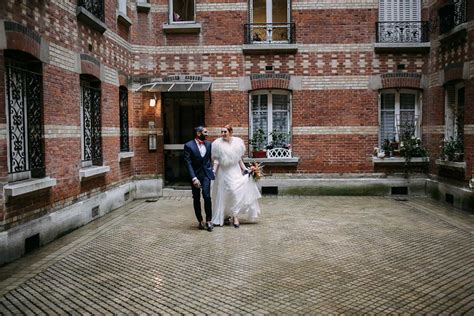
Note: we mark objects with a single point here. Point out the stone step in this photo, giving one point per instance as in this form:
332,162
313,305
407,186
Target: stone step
177,192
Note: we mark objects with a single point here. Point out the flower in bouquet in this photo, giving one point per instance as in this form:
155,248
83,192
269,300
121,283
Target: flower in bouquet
256,170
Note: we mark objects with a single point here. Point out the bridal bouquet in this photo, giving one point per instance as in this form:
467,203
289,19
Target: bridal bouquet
256,171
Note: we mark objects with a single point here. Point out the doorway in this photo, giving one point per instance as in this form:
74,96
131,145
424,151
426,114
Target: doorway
182,111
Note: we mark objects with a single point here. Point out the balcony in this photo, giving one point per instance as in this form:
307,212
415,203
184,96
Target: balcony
270,38
402,36
452,15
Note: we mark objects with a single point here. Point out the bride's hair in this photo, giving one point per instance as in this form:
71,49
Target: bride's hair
229,128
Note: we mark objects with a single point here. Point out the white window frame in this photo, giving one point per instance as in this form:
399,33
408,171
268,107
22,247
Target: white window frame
269,15
451,128
399,10
170,15
418,111
270,93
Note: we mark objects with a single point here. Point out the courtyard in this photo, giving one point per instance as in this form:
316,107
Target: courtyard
306,255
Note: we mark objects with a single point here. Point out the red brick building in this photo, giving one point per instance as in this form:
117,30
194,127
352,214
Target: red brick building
98,96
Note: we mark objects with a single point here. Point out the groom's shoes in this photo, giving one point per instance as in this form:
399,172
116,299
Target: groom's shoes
209,227
201,226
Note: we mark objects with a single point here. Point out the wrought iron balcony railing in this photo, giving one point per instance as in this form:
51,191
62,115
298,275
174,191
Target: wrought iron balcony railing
403,32
452,15
96,7
265,33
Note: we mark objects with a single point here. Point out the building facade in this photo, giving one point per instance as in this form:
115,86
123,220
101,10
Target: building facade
97,98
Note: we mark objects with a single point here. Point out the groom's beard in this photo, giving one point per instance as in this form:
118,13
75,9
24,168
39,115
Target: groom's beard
202,137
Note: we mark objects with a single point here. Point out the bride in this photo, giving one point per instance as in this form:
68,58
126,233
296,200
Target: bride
233,194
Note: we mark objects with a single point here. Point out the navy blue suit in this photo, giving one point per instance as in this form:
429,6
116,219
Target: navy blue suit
200,168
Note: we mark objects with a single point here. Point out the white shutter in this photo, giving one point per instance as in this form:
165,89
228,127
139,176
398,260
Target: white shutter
399,10
122,6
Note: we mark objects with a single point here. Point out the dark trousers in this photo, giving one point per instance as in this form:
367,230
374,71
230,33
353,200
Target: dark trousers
206,194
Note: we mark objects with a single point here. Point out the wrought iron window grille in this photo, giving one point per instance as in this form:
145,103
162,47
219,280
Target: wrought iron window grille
452,15
266,33
96,7
91,120
403,32
123,103
24,117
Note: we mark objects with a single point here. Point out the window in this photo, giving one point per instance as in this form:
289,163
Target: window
182,11
269,21
23,87
96,7
91,121
400,114
123,103
454,112
270,112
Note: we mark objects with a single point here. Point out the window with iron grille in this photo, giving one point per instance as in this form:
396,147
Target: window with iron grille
91,121
23,87
96,7
182,11
123,103
400,113
454,112
270,112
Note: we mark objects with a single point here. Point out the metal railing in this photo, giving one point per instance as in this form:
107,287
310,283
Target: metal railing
278,33
452,15
403,32
96,7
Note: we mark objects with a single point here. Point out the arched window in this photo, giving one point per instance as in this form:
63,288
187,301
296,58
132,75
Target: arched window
400,114
24,101
270,116
123,104
91,121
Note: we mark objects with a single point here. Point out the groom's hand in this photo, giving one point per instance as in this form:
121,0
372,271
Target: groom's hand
197,183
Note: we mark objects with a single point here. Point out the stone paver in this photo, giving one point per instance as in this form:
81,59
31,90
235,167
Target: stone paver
306,255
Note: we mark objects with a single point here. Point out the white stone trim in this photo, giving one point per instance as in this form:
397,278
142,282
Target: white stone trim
238,131
145,131
110,131
334,82
212,7
469,129
225,84
334,4
3,131
433,129
125,155
92,171
62,131
111,76
451,164
399,160
28,186
62,57
335,130
67,6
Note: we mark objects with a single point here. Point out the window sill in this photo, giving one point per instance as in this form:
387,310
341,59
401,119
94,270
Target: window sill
402,47
459,30
89,19
125,155
143,7
123,18
269,48
182,28
399,160
293,161
451,164
93,171
28,186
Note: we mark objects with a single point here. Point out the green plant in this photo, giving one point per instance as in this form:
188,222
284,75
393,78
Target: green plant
258,140
410,146
452,149
279,140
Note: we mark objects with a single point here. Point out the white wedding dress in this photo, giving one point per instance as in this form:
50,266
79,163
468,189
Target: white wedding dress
232,193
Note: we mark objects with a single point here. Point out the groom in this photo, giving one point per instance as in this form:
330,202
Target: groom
197,154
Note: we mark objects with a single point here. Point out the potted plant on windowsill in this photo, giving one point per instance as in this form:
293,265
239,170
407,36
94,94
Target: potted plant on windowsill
258,142
452,150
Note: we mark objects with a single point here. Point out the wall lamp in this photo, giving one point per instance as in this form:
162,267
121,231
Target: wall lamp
153,101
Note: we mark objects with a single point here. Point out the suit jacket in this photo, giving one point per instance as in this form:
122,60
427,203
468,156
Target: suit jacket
198,167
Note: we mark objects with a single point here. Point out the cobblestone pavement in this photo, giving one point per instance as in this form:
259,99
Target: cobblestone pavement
306,255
